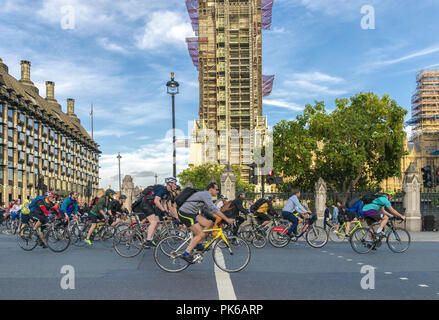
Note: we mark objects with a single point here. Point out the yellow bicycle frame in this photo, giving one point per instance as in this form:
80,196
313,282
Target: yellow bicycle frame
356,223
219,234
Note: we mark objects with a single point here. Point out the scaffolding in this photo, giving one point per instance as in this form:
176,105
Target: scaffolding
267,85
267,8
425,103
192,9
192,45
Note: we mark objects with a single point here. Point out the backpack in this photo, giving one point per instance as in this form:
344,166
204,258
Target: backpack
226,206
369,197
33,203
257,204
136,204
184,195
94,201
149,192
350,203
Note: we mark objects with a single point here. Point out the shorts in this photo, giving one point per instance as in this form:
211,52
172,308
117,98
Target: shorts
25,218
372,216
94,218
349,216
14,215
262,217
150,210
188,219
40,217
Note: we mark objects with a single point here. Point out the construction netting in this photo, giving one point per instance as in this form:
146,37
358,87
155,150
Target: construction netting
267,7
192,9
267,85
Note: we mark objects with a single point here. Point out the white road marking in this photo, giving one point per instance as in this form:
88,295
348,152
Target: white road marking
348,259
340,256
360,263
223,281
403,278
387,273
423,285
324,251
331,254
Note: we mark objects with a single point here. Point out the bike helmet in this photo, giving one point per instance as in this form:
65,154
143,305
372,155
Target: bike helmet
240,192
32,198
50,194
170,180
122,196
110,192
222,196
271,197
390,193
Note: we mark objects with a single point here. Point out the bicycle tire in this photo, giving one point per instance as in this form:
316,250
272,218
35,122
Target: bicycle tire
29,240
313,233
76,236
221,254
259,239
397,231
126,240
167,257
278,239
106,236
359,240
57,235
335,236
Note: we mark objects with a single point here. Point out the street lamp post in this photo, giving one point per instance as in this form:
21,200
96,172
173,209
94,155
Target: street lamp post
118,158
172,89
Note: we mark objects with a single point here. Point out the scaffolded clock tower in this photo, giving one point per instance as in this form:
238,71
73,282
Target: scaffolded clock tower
227,52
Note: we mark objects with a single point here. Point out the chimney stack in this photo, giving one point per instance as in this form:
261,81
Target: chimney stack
3,66
25,72
50,91
71,107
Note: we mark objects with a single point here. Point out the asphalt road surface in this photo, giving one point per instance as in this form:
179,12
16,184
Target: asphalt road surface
294,272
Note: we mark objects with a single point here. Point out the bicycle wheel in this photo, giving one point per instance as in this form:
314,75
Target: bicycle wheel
167,254
28,240
58,239
76,235
316,237
106,236
335,236
361,240
128,243
398,240
278,239
259,239
234,257
246,233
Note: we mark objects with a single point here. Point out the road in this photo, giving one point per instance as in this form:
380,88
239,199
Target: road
295,272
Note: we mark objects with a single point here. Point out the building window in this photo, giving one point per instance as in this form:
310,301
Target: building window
36,126
20,178
10,117
11,176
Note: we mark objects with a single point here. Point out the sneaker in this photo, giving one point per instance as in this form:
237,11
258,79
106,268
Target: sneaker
189,258
149,244
88,242
381,234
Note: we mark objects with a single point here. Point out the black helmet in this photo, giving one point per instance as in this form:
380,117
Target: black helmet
241,192
122,196
110,192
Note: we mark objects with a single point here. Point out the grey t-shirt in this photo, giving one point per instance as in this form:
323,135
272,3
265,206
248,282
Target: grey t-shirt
199,201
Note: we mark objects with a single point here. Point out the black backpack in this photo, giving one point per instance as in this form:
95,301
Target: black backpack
149,192
350,203
257,204
135,207
184,195
369,197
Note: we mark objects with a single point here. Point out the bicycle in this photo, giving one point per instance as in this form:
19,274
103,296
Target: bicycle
340,234
253,233
55,236
167,253
314,235
363,240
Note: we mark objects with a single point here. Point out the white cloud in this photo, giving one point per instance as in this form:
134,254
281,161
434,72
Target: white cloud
423,52
165,28
282,104
111,132
111,46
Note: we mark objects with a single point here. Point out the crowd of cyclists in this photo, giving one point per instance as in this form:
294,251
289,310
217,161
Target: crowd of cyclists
191,209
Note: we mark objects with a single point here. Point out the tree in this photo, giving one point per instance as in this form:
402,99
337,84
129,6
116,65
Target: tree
355,147
200,176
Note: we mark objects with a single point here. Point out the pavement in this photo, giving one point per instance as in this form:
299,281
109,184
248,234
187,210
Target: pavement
296,272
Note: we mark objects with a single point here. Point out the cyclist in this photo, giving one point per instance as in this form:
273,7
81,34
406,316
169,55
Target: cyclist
154,208
265,210
220,201
69,206
352,214
99,211
236,207
25,212
376,211
293,211
15,210
171,205
116,211
42,212
190,216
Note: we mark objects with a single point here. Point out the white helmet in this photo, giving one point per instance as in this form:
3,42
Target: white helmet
170,180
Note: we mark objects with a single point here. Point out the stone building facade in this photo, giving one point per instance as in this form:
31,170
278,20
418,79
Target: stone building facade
41,147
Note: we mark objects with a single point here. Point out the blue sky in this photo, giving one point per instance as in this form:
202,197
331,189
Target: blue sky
119,54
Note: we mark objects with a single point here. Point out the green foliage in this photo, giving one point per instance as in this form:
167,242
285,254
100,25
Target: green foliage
200,176
355,147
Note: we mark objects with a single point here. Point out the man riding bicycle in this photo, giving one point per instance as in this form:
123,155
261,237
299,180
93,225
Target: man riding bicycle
41,214
376,211
190,215
294,211
69,206
265,210
99,211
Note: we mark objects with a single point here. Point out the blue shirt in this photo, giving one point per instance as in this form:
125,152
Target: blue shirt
357,208
377,204
69,206
293,204
335,214
161,192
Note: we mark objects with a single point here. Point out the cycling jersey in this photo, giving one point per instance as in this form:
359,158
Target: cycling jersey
25,208
101,205
377,204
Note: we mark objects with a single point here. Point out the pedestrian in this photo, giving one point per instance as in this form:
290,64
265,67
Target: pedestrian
335,217
326,217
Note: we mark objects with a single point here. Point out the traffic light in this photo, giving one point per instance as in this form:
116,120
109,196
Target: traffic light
427,177
253,177
437,177
272,179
